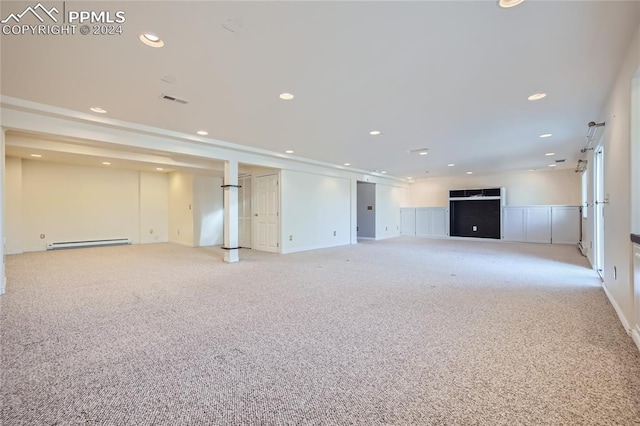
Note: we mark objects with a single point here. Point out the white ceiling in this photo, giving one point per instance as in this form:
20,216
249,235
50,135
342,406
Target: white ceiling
452,77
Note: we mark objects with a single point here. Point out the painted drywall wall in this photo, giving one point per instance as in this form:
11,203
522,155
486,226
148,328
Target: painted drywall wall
245,214
617,182
635,154
75,203
314,207
389,199
367,211
541,187
208,211
154,202
181,208
13,205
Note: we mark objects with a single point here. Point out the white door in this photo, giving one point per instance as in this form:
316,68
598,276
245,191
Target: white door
266,216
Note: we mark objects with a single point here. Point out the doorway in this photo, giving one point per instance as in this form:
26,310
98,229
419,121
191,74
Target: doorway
267,214
366,227
599,204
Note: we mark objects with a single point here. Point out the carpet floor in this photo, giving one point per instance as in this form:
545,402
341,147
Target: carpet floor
403,331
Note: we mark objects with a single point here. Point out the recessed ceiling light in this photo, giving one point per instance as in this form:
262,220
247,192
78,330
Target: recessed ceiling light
347,164
159,169
549,154
375,132
99,110
537,96
151,40
505,4
289,151
423,153
383,172
469,173
409,178
532,170
106,163
546,135
202,132
285,96
552,165
450,165
36,155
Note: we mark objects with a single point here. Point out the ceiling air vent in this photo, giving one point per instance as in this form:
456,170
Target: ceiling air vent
174,99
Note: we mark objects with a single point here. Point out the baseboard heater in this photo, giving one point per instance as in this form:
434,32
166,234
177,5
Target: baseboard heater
88,243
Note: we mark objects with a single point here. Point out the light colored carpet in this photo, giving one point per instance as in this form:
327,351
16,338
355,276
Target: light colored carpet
403,331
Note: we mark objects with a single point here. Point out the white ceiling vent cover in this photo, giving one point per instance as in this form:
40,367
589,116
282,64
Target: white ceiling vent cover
174,99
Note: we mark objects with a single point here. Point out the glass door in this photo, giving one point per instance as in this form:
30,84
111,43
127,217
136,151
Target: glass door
600,202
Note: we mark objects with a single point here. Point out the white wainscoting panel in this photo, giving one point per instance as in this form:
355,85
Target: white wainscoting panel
408,221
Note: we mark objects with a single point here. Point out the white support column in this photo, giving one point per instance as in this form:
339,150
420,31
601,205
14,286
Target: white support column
3,276
231,211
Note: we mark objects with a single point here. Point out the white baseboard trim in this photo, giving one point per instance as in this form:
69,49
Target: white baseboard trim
623,319
636,336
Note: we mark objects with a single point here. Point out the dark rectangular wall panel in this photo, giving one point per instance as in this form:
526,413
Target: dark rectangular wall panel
484,215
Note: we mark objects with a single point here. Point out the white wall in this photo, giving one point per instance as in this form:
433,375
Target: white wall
74,203
541,187
208,211
13,205
313,208
154,202
617,168
389,199
181,208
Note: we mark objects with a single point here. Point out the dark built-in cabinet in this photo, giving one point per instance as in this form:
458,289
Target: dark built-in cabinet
476,212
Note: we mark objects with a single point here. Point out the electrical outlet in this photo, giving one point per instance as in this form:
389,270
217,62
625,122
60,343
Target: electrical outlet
151,231
386,228
475,228
290,237
178,232
334,233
